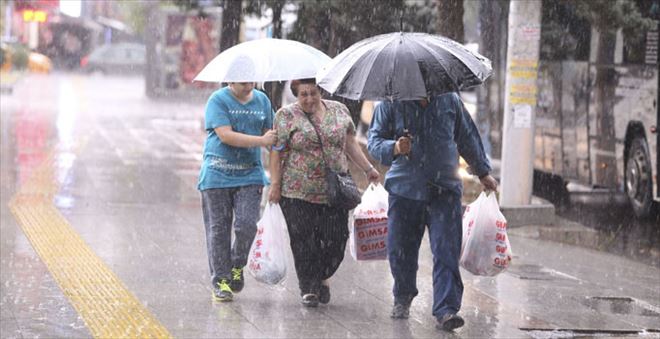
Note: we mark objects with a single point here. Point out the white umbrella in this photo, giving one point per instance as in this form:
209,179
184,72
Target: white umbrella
264,60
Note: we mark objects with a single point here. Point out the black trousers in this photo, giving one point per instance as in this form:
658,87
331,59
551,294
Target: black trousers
318,236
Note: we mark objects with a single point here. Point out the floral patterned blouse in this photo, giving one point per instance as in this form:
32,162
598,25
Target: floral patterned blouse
303,167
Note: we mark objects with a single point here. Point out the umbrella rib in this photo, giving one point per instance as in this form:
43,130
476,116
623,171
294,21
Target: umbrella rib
353,51
375,52
439,57
453,52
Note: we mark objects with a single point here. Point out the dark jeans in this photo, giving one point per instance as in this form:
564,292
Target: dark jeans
406,221
220,207
318,236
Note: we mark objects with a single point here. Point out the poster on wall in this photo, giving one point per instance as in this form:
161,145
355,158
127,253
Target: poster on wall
189,43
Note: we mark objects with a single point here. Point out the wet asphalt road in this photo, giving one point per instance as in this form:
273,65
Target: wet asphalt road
120,170
619,230
625,234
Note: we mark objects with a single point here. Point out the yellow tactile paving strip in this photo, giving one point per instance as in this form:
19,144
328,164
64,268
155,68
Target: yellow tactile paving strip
106,306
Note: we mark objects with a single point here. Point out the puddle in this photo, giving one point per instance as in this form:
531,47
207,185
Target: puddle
536,272
620,305
541,333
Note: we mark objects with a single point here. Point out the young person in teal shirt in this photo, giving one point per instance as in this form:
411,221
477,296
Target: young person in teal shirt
238,122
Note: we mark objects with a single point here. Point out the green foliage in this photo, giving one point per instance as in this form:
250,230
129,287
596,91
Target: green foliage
610,15
259,7
135,13
564,34
332,26
566,26
188,4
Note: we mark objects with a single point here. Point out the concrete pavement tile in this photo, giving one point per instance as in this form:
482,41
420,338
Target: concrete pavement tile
52,327
631,278
9,329
303,328
218,321
174,299
6,313
647,322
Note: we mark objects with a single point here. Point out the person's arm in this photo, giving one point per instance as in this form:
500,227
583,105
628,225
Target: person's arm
354,152
469,145
489,182
229,137
381,143
279,151
216,118
275,169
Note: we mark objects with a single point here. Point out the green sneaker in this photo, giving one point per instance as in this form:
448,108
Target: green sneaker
222,291
237,281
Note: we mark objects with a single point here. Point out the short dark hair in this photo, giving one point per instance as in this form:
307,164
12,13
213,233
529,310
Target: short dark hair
295,83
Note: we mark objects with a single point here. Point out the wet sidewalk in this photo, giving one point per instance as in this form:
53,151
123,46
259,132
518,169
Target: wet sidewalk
550,288
102,235
156,249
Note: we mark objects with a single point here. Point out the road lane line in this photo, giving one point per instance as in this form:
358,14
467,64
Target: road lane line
104,303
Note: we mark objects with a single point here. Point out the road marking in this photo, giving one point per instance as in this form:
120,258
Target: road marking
106,306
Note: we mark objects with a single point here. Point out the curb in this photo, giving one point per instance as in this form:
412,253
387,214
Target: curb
575,234
539,212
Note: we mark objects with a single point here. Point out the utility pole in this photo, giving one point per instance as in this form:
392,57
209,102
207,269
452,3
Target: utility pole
517,171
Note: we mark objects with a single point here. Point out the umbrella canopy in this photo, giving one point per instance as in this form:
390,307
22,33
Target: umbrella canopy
264,60
403,66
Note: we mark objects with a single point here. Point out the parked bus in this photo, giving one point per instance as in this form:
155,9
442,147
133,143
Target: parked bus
601,137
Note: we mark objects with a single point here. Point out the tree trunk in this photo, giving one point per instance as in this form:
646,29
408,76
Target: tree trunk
493,33
605,87
277,19
231,24
486,112
151,40
450,19
275,88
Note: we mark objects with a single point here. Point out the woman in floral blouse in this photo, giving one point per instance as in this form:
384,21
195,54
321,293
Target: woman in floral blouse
318,232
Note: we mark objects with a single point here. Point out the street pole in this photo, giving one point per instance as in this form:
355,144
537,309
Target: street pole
151,40
517,171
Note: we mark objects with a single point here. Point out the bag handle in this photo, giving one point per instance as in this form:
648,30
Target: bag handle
320,140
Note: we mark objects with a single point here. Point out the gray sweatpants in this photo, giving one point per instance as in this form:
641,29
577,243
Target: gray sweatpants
220,206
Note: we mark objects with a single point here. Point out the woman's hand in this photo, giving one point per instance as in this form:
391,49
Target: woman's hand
275,193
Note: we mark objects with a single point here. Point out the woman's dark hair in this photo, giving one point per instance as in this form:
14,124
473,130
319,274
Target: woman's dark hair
295,83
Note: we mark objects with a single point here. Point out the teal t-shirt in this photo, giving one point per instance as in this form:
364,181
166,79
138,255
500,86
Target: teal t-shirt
225,166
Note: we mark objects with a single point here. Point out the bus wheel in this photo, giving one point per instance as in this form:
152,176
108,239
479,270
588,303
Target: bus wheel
638,178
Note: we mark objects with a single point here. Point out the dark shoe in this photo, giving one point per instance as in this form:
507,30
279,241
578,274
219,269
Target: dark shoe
310,300
237,283
450,322
222,291
401,308
324,294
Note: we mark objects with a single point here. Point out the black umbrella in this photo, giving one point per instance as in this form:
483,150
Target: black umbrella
403,66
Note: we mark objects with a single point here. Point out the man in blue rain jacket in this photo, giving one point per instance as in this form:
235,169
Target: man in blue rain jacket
421,141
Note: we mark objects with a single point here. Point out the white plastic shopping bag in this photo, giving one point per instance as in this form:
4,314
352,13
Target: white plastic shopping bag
486,249
267,257
368,228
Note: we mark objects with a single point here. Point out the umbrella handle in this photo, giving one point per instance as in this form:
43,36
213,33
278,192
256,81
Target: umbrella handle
406,133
